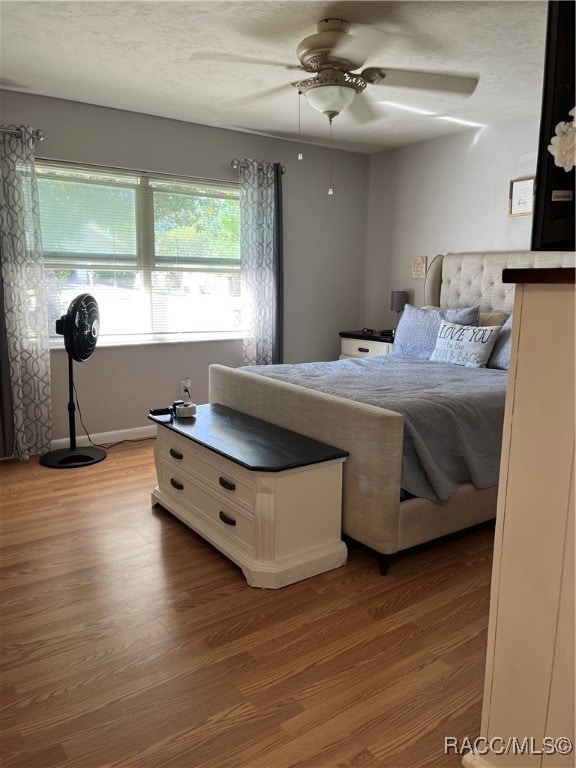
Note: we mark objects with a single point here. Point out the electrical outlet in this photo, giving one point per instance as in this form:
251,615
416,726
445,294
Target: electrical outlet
185,384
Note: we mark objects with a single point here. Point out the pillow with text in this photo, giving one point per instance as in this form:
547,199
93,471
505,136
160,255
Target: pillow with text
466,345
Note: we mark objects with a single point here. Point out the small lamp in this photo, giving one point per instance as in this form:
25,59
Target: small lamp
397,301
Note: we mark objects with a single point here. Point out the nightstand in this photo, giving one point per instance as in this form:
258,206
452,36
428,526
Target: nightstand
359,344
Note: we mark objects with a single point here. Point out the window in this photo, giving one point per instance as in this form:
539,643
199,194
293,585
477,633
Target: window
160,255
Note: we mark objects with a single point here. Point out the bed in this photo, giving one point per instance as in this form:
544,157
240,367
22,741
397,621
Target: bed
378,510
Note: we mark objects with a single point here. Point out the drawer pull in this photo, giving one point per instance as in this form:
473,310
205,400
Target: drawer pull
176,484
176,454
226,518
227,484
363,349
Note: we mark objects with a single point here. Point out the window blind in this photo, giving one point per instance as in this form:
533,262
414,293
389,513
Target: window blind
161,255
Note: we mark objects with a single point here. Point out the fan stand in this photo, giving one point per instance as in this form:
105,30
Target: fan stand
68,458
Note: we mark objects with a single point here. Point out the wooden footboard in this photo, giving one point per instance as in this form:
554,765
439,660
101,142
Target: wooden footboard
373,437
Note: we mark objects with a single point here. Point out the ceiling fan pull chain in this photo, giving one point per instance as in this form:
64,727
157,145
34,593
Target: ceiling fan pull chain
330,190
300,156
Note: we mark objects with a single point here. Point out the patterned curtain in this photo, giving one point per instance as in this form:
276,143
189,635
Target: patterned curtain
261,258
25,408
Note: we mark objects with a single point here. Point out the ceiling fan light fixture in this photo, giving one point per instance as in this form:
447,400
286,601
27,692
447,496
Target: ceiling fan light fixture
331,91
330,99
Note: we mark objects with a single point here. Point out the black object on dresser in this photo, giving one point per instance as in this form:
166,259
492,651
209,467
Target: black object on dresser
370,335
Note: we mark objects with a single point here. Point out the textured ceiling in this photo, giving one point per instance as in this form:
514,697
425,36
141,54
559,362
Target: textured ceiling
150,57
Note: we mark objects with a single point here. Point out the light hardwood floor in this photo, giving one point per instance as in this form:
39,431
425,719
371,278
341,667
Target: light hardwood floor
129,641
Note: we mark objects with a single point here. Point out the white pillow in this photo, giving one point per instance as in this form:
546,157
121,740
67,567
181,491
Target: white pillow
466,345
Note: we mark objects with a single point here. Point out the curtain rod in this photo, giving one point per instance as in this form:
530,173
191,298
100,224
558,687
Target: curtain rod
36,135
237,163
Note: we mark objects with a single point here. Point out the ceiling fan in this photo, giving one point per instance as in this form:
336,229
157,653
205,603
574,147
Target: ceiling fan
333,54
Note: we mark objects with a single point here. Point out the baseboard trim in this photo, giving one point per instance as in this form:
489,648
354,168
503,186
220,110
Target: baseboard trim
105,438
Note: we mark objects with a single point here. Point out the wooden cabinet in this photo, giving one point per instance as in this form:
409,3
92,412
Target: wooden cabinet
529,683
268,498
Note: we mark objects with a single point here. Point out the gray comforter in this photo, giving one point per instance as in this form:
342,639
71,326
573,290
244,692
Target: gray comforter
453,416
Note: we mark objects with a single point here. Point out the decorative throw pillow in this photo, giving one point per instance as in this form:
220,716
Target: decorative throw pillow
500,356
418,328
492,318
466,345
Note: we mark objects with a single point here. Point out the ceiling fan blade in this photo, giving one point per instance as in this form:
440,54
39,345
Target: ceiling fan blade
359,45
431,81
252,98
364,110
215,56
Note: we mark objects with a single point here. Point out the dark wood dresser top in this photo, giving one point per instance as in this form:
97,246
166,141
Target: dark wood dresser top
255,444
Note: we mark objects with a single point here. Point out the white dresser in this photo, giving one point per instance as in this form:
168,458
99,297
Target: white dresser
266,497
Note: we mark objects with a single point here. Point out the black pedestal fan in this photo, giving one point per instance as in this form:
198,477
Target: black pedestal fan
79,326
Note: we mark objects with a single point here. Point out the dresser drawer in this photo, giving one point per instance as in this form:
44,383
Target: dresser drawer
228,520
229,479
364,347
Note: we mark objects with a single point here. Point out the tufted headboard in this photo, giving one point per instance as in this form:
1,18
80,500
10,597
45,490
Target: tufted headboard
470,279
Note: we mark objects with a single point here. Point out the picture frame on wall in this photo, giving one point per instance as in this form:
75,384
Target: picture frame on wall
419,266
521,197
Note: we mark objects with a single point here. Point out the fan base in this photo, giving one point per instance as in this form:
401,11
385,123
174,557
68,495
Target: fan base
69,458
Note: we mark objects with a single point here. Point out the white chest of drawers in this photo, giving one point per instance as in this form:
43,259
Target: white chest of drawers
267,498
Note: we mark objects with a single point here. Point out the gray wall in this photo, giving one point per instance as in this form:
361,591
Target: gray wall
343,254
324,247
440,196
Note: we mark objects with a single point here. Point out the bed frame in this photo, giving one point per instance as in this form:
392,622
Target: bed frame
372,512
